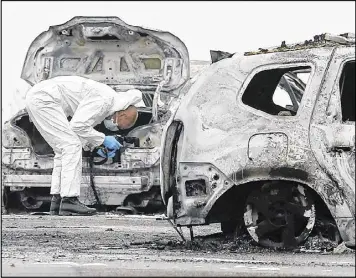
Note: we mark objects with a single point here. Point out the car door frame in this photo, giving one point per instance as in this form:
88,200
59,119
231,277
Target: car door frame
325,128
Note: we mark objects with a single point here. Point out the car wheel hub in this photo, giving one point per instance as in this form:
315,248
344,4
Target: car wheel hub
279,215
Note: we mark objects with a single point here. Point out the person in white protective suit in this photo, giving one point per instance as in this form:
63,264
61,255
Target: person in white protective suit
88,102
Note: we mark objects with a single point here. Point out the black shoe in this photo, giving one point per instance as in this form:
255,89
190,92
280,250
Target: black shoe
72,206
55,203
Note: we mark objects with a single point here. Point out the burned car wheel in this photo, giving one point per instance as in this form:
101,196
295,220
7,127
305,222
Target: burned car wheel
279,215
29,201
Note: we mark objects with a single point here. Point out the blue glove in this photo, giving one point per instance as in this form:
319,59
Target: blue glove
111,154
111,143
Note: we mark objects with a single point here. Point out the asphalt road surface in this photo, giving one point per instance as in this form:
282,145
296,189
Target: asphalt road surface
113,245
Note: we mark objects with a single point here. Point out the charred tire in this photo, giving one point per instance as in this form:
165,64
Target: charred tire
279,214
29,201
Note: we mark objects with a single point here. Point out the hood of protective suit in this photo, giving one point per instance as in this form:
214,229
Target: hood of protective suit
121,102
108,50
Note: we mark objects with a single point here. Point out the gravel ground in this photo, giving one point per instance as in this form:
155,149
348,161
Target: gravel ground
32,240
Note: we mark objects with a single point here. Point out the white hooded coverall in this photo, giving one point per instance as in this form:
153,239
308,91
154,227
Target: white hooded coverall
88,102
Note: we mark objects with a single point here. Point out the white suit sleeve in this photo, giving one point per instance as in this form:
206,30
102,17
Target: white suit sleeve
91,111
94,108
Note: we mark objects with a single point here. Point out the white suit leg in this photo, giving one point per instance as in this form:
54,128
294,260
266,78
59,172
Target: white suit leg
56,173
49,118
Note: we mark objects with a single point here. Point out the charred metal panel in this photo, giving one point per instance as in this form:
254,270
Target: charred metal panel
192,209
108,50
218,126
347,230
9,156
168,160
13,138
195,187
268,148
139,157
289,172
149,135
332,141
112,190
318,41
340,137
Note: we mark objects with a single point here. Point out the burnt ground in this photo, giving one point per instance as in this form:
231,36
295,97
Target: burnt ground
130,245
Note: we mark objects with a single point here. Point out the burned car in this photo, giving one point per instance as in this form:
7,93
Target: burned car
107,50
264,141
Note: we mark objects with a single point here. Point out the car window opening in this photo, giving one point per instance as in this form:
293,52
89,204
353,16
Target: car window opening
347,90
277,91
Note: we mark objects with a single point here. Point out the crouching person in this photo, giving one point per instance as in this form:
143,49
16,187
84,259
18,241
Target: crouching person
88,102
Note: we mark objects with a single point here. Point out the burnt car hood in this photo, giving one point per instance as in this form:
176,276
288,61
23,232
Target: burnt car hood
108,50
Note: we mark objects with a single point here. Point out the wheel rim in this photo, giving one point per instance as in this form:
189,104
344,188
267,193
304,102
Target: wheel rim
279,215
29,201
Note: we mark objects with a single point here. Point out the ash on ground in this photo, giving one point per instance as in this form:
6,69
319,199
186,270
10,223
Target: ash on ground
243,243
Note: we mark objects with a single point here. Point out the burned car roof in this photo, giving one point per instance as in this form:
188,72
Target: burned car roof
323,40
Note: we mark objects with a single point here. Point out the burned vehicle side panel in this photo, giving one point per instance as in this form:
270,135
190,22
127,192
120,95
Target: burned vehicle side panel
219,132
332,138
224,144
